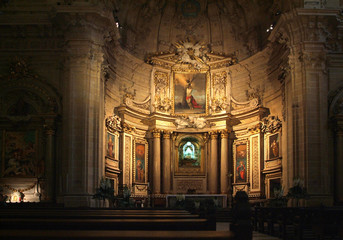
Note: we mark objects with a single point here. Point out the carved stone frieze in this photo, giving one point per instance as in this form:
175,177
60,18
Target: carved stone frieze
127,128
271,124
191,122
314,60
219,99
184,185
241,107
143,106
255,128
162,101
193,55
255,163
113,123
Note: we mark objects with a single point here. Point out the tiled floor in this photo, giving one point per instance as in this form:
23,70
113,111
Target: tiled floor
225,226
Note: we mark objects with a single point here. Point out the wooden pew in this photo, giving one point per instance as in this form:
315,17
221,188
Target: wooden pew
104,235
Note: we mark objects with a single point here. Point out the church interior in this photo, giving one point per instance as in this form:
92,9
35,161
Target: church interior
165,101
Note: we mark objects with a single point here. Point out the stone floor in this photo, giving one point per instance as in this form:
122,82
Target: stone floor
225,226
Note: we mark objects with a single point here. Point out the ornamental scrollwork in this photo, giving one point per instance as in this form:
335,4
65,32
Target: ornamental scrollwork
219,100
271,124
162,102
191,122
113,123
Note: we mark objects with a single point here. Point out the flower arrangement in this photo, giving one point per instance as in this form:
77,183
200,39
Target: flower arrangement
105,191
298,191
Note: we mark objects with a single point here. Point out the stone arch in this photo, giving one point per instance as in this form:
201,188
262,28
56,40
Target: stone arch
29,110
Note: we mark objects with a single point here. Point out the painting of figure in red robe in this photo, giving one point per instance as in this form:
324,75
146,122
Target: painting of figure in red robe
140,163
190,93
274,146
241,163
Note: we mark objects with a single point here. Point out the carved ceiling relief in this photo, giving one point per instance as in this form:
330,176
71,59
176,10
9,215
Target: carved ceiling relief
162,101
219,98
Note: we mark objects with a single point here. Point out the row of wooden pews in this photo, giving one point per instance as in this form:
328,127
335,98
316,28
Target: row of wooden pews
64,223
300,223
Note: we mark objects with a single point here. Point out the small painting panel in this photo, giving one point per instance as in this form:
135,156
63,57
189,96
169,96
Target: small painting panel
274,146
20,154
140,162
110,145
190,93
241,163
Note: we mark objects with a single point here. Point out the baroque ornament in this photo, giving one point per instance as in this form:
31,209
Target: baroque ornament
271,124
162,102
219,100
192,53
191,122
113,123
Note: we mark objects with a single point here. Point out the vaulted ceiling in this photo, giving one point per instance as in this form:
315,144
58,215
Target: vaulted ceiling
227,26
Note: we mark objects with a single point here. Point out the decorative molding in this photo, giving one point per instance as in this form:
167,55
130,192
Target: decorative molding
219,100
191,55
255,128
162,101
183,185
255,168
114,124
191,122
127,128
143,107
271,124
241,107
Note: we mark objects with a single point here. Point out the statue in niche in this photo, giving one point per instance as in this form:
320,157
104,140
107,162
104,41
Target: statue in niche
189,153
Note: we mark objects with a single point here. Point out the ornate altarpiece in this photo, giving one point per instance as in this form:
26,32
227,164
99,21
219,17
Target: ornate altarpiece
183,120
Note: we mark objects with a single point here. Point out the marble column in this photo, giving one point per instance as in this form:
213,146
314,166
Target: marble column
156,175
339,162
83,117
224,162
166,162
50,162
213,167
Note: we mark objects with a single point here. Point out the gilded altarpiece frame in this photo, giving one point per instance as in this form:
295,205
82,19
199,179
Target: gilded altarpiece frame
20,154
256,165
189,155
126,163
140,166
190,92
273,161
241,165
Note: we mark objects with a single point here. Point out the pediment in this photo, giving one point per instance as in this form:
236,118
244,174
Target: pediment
191,55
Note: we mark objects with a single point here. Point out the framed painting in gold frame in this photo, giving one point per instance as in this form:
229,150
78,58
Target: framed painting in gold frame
190,93
241,162
20,154
273,143
140,161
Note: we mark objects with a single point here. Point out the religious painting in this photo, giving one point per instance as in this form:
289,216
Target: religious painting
274,146
241,163
190,93
110,145
140,161
190,155
20,154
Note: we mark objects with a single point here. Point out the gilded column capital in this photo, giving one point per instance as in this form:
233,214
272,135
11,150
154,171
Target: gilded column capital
156,133
167,134
224,133
213,135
